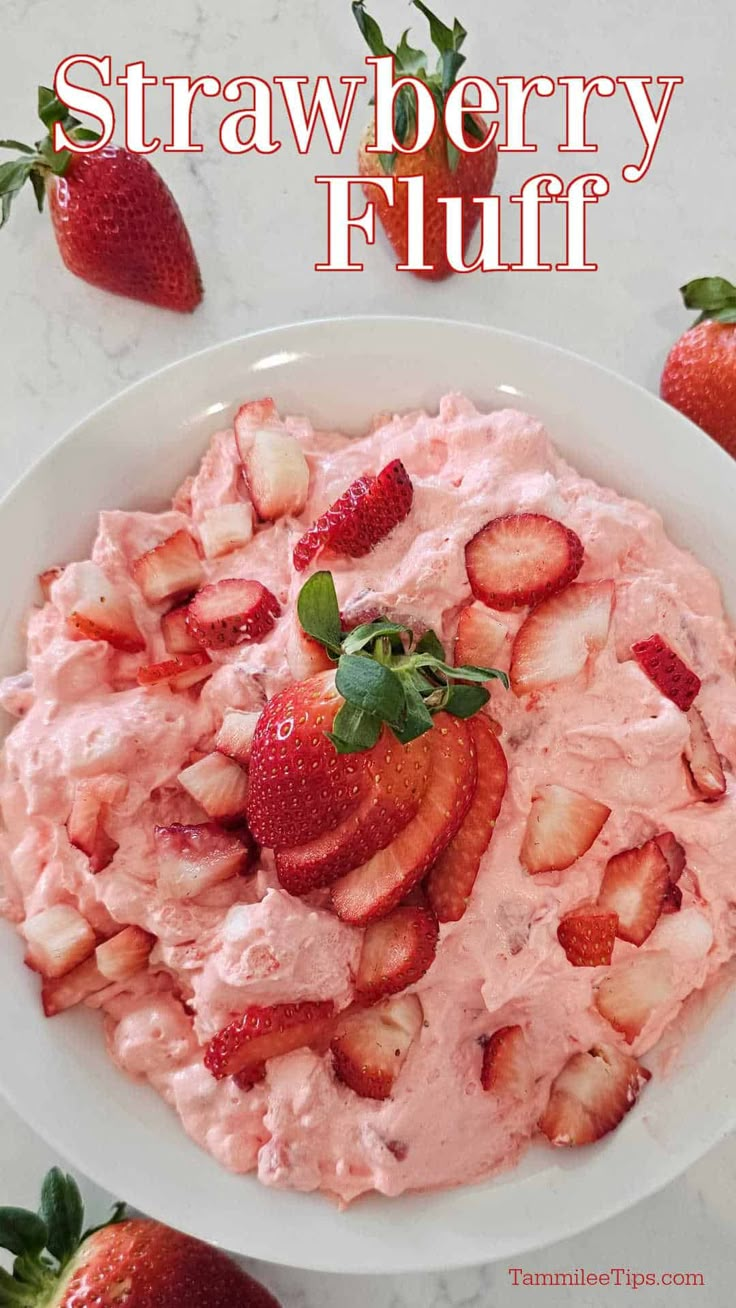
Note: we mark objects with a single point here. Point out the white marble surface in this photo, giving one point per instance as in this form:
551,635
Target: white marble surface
259,226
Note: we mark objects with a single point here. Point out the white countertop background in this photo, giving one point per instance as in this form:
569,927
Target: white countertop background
259,225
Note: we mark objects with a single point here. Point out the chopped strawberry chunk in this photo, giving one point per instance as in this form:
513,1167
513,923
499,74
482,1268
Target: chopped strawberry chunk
588,935
703,760
277,473
370,1046
674,854
452,878
85,824
668,672
46,580
592,1094
194,857
672,902
264,1033
521,559
235,737
371,891
629,994
396,952
170,570
634,886
180,673
480,637
178,639
226,528
58,938
231,612
218,784
561,827
363,515
507,1070
560,635
115,960
103,613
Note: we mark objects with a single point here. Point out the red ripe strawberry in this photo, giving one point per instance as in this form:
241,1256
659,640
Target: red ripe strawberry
103,613
370,1045
180,673
126,1264
703,760
116,223
231,612
561,827
522,559
451,880
699,376
263,1033
363,515
396,952
588,935
591,1095
371,891
674,854
634,885
560,635
115,960
506,1068
300,786
480,637
446,171
397,777
666,669
628,995
169,570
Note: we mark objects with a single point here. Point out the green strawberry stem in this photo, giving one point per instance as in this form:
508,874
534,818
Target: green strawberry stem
386,676
43,1243
409,62
714,296
35,163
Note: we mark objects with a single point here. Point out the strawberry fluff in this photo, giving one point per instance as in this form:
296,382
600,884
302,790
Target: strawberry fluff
412,1020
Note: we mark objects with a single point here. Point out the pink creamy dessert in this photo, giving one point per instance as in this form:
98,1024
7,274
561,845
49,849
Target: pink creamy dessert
94,751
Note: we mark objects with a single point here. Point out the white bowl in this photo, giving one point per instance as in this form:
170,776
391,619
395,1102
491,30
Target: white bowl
131,453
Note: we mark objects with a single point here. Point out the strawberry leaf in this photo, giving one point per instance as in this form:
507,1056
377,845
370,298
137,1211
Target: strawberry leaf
22,1232
370,30
410,62
371,686
51,110
13,1294
63,1212
319,611
16,145
368,632
418,719
430,643
465,701
355,730
708,293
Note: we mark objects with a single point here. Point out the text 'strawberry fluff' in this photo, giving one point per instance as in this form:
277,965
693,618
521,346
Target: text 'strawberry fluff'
364,515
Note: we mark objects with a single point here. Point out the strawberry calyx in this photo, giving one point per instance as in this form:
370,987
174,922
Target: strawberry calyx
385,675
37,162
44,1243
410,62
714,296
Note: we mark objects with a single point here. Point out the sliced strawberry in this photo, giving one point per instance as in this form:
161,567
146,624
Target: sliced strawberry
103,613
170,570
178,639
592,1094
452,878
58,938
277,473
249,418
115,960
397,780
507,1068
180,673
231,612
674,854
560,635
668,672
396,952
703,760
226,528
219,785
85,824
235,737
192,858
480,637
46,580
304,655
371,891
363,515
634,886
561,827
588,935
264,1033
521,559
370,1045
629,994
672,902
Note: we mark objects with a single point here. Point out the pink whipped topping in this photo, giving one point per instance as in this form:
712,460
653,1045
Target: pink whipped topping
609,733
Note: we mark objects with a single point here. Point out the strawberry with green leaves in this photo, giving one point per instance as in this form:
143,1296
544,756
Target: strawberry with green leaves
447,170
699,376
116,223
131,1262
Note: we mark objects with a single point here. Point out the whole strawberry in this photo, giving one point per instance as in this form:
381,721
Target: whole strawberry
447,171
116,223
699,376
126,1264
